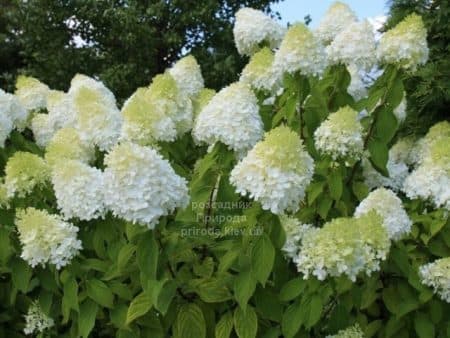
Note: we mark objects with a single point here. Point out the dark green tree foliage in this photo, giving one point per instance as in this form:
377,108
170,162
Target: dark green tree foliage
429,89
124,43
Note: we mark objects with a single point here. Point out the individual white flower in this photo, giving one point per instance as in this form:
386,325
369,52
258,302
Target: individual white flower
11,107
188,76
98,120
43,129
344,246
32,93
355,44
275,172
141,186
405,44
350,332
300,52
437,276
6,126
78,189
431,179
340,135
357,89
23,172
252,28
46,238
294,231
66,145
400,110
390,208
231,117
258,73
336,19
36,321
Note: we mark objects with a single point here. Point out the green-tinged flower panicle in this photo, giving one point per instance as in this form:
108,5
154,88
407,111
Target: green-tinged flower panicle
66,145
46,238
165,94
141,186
344,246
403,151
259,73
431,179
98,120
275,172
340,135
202,99
390,208
300,51
437,276
11,109
25,171
231,117
350,332
188,76
60,109
405,44
32,93
144,122
253,28
335,20
294,231
36,321
355,44
43,129
78,189
437,132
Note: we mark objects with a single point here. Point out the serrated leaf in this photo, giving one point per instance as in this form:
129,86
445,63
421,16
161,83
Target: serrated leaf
190,322
245,322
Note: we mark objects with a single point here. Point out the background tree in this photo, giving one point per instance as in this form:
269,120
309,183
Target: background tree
124,43
429,88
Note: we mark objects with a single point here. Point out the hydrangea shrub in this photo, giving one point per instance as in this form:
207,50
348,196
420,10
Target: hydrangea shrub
287,204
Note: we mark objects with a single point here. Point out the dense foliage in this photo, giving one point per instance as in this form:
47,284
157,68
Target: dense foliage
124,43
285,205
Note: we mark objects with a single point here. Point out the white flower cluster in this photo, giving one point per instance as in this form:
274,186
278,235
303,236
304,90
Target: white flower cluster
294,231
343,246
188,76
231,117
355,45
12,115
390,208
300,52
46,238
437,276
141,186
336,19
98,120
259,73
32,93
275,172
357,88
78,189
405,44
431,179
36,321
350,332
340,135
253,28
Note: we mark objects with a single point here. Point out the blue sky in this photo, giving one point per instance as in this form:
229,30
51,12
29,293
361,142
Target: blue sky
295,10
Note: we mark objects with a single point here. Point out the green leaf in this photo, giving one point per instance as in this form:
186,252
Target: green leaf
147,255
139,306
292,289
379,154
6,250
324,206
224,326
245,322
125,254
86,319
335,184
314,311
385,125
314,190
423,325
21,274
360,190
165,296
99,291
263,256
190,322
244,287
70,298
212,290
292,320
